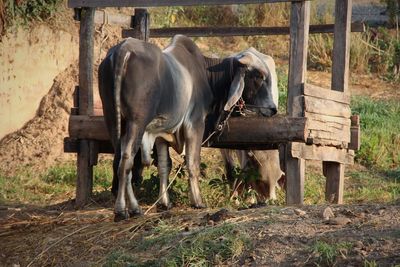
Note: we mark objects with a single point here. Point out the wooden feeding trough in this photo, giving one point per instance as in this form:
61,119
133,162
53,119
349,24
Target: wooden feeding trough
318,124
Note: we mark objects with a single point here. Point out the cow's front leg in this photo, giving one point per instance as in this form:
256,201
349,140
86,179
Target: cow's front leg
164,168
193,139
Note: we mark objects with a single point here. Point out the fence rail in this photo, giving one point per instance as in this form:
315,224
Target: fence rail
235,31
159,3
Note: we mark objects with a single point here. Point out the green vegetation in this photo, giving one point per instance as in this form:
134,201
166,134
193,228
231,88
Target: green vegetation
24,12
220,244
380,132
326,253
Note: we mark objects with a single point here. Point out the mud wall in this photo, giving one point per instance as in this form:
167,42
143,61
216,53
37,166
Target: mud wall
29,62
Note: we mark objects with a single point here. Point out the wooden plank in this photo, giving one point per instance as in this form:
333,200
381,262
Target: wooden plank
84,181
104,17
326,142
322,93
355,136
327,126
341,45
141,24
86,61
326,118
259,130
159,3
299,29
355,120
88,127
299,26
340,138
325,107
264,131
295,176
334,188
71,145
342,131
232,31
322,153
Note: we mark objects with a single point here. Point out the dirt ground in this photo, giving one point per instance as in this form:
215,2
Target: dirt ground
280,236
59,235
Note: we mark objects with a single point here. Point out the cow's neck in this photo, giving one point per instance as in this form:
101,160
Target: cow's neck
220,73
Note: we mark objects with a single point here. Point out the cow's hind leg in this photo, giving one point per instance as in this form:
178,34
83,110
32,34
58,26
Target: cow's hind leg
129,147
134,208
136,171
117,159
164,168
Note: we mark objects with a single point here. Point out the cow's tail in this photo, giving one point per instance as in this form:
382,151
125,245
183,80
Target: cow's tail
119,71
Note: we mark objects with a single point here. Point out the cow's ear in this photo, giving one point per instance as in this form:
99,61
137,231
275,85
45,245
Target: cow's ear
236,90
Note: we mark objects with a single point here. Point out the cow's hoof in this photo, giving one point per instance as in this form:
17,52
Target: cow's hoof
120,216
135,213
199,206
162,207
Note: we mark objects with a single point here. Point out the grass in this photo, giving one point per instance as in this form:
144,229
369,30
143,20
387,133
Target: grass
204,247
380,132
325,254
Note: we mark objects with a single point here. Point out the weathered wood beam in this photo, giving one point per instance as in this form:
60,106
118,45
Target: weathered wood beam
84,181
263,133
103,17
355,137
233,31
299,28
71,145
323,93
86,49
334,187
141,24
322,153
325,107
334,169
88,127
341,45
159,3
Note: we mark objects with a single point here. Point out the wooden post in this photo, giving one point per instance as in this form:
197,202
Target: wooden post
299,29
334,171
141,24
84,182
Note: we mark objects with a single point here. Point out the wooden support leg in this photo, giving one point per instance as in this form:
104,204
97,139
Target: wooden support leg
295,170
334,173
84,182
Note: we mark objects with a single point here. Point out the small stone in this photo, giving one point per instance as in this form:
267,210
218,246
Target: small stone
339,221
380,212
327,213
211,222
300,212
358,244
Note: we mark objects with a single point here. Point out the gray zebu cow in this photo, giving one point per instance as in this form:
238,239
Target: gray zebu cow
265,162
159,97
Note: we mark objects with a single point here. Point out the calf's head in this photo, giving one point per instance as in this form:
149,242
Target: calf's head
256,82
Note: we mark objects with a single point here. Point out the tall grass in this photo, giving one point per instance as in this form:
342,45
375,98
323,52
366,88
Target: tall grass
380,132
